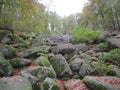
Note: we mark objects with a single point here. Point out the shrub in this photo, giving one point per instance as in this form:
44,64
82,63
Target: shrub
84,35
113,57
101,68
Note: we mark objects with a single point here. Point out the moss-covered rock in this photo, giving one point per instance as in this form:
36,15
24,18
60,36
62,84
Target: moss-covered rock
9,52
48,84
38,73
19,62
114,70
43,61
15,83
102,83
5,67
60,65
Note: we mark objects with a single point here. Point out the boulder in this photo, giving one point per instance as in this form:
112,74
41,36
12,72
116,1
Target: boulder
75,84
60,65
76,64
20,62
32,53
102,83
114,70
8,51
114,42
104,35
48,84
81,47
43,61
65,48
85,69
15,83
38,73
7,38
5,67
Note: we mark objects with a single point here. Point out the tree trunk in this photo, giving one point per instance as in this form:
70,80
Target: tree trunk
117,20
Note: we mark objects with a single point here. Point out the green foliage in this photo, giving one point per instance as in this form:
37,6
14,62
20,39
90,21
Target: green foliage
83,34
101,68
113,57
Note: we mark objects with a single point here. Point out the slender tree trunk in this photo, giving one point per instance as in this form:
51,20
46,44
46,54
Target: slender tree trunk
117,20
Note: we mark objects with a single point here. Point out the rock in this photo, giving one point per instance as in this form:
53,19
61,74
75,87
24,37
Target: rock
65,48
48,84
20,62
15,83
114,70
114,42
81,47
76,64
85,69
43,61
8,51
87,58
7,38
32,53
102,83
104,35
5,67
38,73
60,65
102,47
75,84
45,48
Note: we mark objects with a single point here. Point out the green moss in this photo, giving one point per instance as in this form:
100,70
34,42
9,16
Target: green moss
2,72
113,57
15,62
93,85
30,86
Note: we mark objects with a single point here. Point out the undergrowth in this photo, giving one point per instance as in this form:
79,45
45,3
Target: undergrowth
85,35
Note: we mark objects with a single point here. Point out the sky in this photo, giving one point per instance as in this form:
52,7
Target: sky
66,7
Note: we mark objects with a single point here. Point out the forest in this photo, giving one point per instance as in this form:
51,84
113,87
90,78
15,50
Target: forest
41,50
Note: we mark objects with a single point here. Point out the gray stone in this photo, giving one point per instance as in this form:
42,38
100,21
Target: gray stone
43,61
65,48
75,84
81,47
15,83
5,67
20,62
114,70
85,69
102,83
7,51
114,42
48,84
76,64
38,73
60,65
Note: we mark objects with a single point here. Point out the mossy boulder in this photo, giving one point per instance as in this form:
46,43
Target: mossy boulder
38,73
48,84
102,83
31,53
60,65
8,52
20,62
43,61
15,83
114,71
5,67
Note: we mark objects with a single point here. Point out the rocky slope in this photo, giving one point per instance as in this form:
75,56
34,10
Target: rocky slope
53,62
